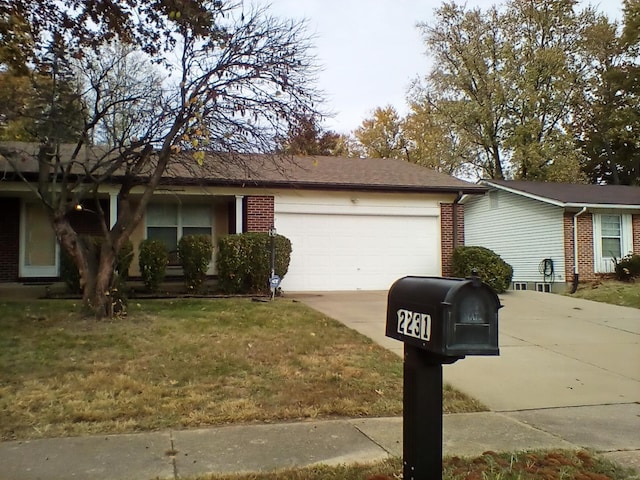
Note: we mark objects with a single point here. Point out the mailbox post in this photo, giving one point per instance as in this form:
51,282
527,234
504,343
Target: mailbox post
274,280
440,321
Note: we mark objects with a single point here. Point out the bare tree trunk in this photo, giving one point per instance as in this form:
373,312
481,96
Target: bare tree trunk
103,301
94,267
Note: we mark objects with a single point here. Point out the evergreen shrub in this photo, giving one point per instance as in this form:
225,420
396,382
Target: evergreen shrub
491,268
194,252
628,267
153,259
244,262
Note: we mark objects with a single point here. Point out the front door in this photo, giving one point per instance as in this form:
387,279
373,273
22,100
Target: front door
39,250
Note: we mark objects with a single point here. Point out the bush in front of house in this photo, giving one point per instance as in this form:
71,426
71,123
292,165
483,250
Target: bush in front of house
628,267
491,268
194,252
153,259
69,272
244,261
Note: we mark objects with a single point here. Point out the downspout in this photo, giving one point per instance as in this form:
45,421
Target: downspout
574,287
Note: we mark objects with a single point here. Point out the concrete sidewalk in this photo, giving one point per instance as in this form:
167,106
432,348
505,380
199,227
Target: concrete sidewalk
234,449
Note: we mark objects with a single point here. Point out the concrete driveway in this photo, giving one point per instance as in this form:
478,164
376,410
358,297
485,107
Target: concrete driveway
555,351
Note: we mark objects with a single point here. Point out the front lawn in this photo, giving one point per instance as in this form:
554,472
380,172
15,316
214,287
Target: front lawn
188,363
610,291
551,465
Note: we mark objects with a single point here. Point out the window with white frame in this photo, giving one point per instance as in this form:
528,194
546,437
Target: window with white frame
169,222
612,236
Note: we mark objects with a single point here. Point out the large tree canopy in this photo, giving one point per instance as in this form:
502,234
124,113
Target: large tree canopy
534,90
506,80
147,80
306,137
608,114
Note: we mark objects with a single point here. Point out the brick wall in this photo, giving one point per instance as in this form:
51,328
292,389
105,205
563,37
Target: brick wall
448,239
9,239
635,225
258,213
585,247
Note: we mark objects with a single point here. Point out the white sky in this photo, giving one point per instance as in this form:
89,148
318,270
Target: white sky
370,50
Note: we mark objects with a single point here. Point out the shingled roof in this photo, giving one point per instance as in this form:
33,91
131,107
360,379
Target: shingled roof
300,172
328,173
572,195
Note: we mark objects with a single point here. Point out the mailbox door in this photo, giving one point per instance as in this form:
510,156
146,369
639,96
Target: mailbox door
472,321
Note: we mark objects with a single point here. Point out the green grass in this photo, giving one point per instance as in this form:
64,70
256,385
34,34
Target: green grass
551,465
611,291
188,363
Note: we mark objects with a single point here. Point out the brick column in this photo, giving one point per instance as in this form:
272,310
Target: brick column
259,213
585,247
9,239
635,233
448,238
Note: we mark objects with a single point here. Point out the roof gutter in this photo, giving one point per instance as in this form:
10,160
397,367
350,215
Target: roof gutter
574,287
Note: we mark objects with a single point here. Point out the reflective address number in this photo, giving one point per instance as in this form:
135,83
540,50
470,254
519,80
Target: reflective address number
414,324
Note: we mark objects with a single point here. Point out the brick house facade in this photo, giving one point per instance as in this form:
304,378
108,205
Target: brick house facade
9,239
533,225
259,213
402,212
451,234
586,254
584,223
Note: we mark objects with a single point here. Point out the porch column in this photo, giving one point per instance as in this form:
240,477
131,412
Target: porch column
113,209
239,213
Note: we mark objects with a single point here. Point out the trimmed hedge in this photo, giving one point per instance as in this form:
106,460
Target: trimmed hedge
69,272
628,267
244,261
153,259
491,268
194,252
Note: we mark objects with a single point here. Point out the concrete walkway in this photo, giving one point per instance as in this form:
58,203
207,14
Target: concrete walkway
549,345
555,351
568,367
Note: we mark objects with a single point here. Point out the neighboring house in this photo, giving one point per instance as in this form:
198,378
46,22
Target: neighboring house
353,223
540,228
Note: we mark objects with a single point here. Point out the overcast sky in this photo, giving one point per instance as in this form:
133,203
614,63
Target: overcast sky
370,50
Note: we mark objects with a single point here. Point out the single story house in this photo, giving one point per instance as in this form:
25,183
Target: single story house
353,223
541,228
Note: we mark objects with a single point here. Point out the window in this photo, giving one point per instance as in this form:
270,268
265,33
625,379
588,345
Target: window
39,250
169,222
611,236
543,287
611,239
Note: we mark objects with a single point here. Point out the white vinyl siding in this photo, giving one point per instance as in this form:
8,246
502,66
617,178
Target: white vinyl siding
522,231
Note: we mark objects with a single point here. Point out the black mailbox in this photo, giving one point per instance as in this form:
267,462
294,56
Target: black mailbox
449,317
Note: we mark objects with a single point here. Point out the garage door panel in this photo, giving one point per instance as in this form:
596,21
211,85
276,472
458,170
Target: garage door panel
348,252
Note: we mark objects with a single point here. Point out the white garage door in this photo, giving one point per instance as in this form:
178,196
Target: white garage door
357,252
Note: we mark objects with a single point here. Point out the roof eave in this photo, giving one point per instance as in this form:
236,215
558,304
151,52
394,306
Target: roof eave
558,203
523,194
291,185
603,206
